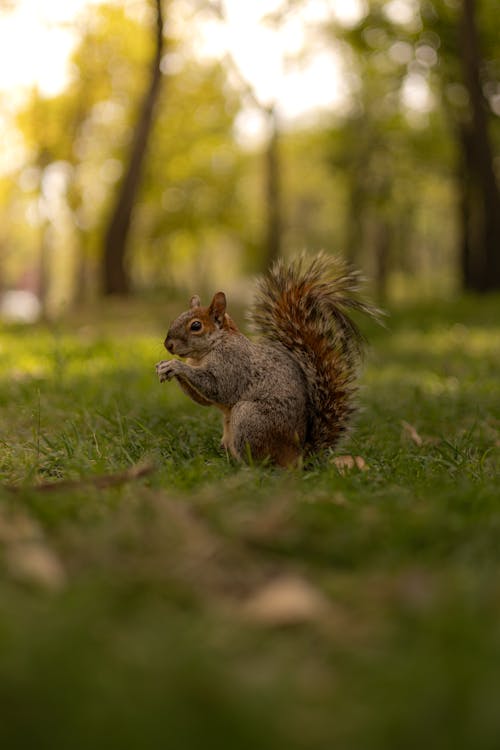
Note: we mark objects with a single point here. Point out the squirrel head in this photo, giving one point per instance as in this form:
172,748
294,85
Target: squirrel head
195,332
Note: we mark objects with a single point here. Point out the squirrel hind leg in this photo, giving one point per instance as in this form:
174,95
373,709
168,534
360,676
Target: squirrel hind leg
254,440
226,442
288,455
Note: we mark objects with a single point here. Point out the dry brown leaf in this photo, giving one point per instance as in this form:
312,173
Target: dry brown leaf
271,521
410,432
348,462
288,600
34,561
338,499
27,554
197,538
17,526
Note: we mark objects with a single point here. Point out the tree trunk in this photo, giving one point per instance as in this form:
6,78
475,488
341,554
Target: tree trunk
480,201
44,264
274,220
471,219
355,217
382,247
81,273
116,278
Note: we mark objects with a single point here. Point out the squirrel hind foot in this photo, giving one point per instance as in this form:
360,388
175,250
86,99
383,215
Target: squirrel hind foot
282,454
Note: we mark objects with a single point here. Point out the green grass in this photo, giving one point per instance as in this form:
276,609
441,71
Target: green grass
141,616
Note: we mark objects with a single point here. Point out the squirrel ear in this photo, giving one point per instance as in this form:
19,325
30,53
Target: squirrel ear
195,301
217,308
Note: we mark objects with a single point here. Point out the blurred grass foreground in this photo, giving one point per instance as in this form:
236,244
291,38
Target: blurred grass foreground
211,605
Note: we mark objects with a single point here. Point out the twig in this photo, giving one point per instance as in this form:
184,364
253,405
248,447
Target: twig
100,481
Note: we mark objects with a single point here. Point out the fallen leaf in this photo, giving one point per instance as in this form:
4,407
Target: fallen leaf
410,432
288,600
348,462
34,561
338,499
27,555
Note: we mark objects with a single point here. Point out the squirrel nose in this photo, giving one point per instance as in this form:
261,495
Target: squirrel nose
169,345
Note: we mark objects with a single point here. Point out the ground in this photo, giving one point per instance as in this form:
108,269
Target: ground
210,605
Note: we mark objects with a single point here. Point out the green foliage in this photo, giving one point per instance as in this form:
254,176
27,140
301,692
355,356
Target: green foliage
394,155
311,191
189,197
191,210
138,615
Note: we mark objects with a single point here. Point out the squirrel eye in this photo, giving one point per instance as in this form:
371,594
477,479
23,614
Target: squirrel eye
195,325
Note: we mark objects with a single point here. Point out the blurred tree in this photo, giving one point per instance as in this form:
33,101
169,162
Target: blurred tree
469,80
438,57
384,145
314,200
115,276
274,222
272,240
189,199
49,146
67,129
192,219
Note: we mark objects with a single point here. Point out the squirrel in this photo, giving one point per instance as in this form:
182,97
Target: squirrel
291,393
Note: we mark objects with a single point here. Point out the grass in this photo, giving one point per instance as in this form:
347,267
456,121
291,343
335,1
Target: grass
211,605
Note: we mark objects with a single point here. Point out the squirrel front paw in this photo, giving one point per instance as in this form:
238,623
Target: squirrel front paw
166,369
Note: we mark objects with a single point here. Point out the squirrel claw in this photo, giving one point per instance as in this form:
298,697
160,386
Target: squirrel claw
165,369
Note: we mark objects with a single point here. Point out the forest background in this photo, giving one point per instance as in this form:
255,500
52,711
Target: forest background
169,160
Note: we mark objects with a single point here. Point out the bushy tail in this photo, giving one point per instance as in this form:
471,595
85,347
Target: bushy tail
304,306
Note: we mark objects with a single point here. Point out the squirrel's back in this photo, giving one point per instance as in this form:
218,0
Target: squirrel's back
304,306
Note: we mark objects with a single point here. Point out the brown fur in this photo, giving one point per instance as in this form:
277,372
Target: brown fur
292,392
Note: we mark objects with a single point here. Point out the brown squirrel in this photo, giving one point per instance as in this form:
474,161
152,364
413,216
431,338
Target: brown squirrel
290,393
